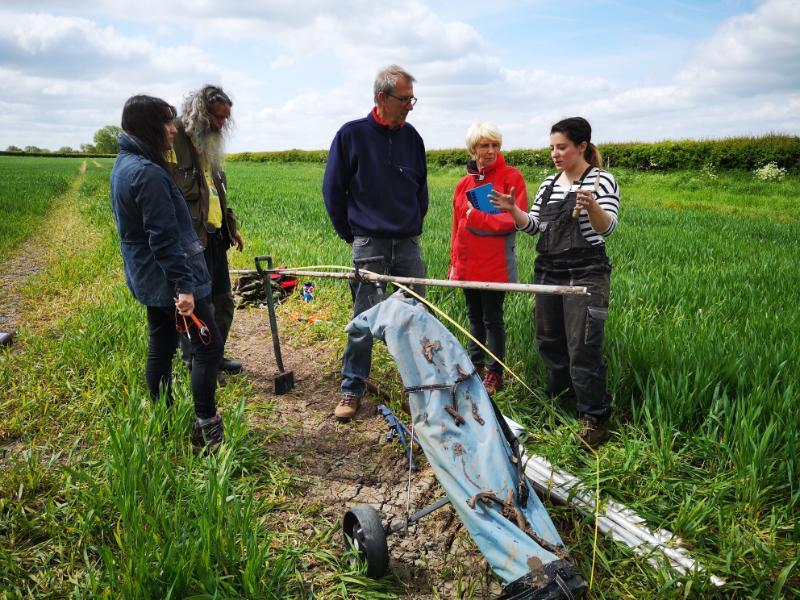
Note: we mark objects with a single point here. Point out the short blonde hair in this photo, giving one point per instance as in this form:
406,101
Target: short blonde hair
482,129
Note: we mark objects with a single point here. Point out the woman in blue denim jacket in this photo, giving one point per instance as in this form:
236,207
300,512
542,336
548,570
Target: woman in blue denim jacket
164,265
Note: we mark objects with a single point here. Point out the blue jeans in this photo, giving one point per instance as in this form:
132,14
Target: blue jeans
393,257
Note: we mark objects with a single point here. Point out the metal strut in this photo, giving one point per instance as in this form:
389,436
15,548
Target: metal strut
453,409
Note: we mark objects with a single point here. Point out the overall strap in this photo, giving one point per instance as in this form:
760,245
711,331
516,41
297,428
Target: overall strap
585,174
549,190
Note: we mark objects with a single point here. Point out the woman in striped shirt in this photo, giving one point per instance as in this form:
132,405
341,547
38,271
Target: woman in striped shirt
574,211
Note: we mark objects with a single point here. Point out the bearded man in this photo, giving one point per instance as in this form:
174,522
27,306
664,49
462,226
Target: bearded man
199,153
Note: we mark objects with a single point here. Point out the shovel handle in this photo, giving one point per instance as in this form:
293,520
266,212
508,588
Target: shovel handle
273,322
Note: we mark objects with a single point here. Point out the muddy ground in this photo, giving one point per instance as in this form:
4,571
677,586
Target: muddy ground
347,464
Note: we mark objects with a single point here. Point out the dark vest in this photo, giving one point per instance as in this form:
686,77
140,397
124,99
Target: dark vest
188,175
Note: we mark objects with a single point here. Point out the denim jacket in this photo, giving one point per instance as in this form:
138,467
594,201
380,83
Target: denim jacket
160,249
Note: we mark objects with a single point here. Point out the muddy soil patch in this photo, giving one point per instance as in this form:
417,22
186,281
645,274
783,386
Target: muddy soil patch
347,464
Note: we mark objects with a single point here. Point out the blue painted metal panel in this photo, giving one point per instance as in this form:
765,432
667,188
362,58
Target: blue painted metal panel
469,458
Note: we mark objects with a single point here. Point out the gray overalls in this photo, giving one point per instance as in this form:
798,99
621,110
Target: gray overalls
569,329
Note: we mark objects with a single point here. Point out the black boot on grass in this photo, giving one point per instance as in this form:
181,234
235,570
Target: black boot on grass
208,434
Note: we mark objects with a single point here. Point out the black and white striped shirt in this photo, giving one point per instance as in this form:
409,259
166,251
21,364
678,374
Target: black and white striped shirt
607,196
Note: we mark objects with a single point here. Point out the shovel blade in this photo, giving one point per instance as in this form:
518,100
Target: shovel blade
284,383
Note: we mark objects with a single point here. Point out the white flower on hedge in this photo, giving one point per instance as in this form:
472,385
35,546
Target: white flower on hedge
770,172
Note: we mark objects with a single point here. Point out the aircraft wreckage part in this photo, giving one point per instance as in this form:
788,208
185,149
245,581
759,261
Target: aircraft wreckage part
471,458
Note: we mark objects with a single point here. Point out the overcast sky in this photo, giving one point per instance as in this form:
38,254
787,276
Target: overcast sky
297,70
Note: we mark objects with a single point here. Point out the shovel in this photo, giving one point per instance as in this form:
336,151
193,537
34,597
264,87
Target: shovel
283,380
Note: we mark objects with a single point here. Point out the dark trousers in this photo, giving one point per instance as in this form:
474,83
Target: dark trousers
569,334
163,340
485,313
216,255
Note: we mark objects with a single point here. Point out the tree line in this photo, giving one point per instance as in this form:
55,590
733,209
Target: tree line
106,141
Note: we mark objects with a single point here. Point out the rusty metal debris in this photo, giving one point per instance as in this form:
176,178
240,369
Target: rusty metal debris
508,508
512,512
477,417
428,348
454,413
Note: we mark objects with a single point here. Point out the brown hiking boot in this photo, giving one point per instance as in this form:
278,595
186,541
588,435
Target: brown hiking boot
493,382
347,407
592,433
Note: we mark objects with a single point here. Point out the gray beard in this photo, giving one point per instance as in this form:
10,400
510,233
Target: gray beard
211,146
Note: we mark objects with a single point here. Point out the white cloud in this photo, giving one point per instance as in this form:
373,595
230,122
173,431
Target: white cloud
71,76
76,48
750,54
71,73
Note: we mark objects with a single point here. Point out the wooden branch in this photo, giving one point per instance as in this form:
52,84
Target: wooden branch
528,288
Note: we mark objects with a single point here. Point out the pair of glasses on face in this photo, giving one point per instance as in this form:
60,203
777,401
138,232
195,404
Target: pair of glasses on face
412,100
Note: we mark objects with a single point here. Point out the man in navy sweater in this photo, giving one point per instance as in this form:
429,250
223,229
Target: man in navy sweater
376,193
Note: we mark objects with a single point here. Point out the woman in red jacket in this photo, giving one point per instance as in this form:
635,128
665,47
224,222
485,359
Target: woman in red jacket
482,246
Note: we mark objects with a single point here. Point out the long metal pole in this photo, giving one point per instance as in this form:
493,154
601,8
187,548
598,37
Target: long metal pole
614,518
529,288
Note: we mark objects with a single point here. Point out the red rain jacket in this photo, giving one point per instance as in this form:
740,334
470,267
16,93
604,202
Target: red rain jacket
482,245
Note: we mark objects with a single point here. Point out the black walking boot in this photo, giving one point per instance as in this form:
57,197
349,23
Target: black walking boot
206,438
230,366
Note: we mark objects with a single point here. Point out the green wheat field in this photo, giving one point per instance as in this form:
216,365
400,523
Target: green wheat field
100,494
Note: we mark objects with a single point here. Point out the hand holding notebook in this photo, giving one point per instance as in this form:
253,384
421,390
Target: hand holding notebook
479,198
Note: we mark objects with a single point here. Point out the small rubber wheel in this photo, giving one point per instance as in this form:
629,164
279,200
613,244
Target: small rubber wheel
364,532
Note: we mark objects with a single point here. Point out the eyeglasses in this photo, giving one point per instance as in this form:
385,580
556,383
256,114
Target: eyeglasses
405,99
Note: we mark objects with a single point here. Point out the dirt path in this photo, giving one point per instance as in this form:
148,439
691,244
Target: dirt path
30,258
349,464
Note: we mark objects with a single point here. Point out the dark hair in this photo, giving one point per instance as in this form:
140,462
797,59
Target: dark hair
578,130
143,117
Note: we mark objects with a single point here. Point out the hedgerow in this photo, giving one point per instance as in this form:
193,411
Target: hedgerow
741,153
306,156
745,153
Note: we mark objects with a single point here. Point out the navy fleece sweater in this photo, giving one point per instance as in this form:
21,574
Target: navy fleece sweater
375,181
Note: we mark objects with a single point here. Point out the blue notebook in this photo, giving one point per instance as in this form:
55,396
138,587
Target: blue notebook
479,198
